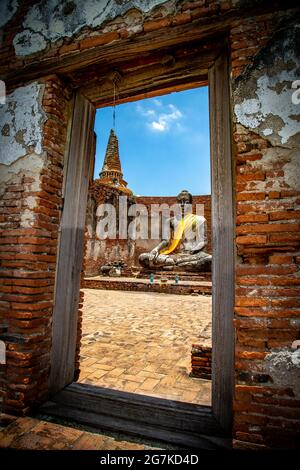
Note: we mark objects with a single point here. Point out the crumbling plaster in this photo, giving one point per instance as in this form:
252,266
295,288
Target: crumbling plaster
47,22
30,166
284,368
21,153
273,157
8,9
21,123
263,95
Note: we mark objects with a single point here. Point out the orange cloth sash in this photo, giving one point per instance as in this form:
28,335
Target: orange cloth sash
184,224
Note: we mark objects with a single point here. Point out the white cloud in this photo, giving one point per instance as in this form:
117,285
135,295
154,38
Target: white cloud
145,112
161,121
150,112
158,126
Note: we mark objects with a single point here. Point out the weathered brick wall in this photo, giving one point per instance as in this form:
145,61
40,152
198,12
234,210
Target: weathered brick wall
30,212
268,235
266,152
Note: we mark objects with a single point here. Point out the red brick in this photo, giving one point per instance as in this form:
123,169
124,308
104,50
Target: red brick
252,218
284,215
68,48
266,270
181,18
274,194
255,438
271,227
8,240
265,206
26,232
285,238
285,302
258,176
251,302
100,40
245,157
250,196
193,5
30,306
260,281
280,259
26,290
251,355
157,24
27,315
271,291
251,239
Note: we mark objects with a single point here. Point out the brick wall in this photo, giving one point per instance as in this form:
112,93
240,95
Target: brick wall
266,407
28,259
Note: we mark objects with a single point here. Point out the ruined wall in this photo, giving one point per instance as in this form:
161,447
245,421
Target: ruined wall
262,44
33,132
267,149
100,252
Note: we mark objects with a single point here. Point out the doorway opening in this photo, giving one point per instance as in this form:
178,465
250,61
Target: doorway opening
198,63
146,324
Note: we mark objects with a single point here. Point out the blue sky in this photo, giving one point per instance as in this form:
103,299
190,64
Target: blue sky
163,143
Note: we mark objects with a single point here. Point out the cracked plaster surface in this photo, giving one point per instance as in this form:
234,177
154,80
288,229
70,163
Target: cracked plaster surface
21,123
29,165
264,94
48,22
284,368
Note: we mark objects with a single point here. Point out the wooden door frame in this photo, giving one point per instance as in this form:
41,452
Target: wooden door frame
79,157
218,417
223,236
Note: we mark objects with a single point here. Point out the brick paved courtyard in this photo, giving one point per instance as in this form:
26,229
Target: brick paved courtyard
35,434
141,342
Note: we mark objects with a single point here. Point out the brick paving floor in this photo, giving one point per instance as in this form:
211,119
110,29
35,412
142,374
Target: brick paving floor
34,434
141,342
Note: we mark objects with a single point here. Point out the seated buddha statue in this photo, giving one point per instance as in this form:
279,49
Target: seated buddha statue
184,250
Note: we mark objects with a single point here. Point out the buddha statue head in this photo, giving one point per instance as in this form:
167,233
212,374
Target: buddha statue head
184,198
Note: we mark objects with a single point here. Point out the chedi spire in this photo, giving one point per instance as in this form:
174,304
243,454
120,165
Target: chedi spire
112,161
111,173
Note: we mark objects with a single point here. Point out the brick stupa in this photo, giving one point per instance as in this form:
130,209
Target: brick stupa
111,174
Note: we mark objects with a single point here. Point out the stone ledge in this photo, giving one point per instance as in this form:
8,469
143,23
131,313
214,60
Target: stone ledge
142,286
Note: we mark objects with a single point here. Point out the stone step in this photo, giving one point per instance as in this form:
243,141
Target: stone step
139,285
172,274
